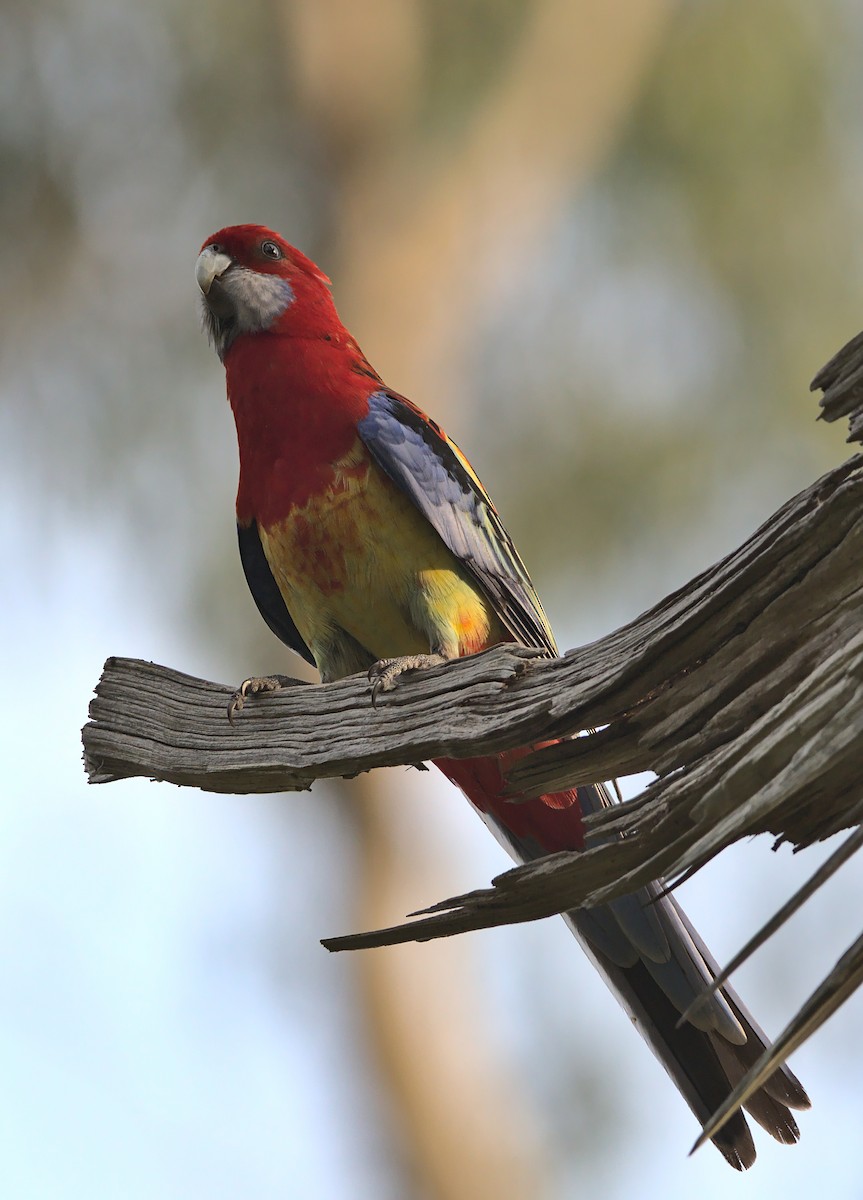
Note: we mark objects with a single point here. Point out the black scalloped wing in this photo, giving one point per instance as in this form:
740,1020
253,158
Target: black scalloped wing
419,458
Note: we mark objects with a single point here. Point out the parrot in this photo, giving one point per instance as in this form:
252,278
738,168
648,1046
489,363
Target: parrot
369,544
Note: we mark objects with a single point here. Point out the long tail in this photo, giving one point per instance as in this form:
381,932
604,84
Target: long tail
652,959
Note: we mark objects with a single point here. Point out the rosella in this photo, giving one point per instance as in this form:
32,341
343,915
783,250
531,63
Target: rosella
369,544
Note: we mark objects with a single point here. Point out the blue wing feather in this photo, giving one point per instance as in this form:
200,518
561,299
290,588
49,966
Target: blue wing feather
416,454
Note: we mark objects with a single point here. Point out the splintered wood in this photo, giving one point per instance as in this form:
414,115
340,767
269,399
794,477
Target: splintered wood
742,691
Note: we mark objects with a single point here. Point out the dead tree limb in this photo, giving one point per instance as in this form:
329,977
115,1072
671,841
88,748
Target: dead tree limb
742,691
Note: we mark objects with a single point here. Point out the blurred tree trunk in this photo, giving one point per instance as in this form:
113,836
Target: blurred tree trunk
421,249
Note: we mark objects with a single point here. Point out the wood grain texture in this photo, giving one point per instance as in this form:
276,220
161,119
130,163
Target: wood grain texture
841,380
743,691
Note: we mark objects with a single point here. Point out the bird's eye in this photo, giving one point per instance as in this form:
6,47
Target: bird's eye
270,250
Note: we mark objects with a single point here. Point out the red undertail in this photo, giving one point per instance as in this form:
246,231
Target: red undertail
554,821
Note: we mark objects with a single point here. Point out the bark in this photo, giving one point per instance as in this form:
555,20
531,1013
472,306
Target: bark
742,691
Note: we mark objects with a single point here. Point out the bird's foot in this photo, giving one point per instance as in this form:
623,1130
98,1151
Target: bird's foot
251,687
385,674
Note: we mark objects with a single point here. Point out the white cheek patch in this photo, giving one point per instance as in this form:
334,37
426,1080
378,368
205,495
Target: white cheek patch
243,301
259,300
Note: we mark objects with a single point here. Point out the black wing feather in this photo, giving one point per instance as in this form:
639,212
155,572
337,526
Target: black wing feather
265,590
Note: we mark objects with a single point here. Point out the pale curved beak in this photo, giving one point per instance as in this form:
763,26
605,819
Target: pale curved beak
211,264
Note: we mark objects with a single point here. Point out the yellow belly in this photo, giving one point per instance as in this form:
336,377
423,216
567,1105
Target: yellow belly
361,560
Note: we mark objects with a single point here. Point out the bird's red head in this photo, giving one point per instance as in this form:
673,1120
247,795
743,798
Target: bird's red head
252,281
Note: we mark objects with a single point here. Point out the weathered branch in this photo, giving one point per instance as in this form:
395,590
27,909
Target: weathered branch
841,380
152,721
743,691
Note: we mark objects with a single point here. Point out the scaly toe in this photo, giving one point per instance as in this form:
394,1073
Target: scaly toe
386,672
251,687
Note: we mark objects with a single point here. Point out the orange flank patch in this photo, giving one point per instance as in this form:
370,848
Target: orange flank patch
359,558
465,610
